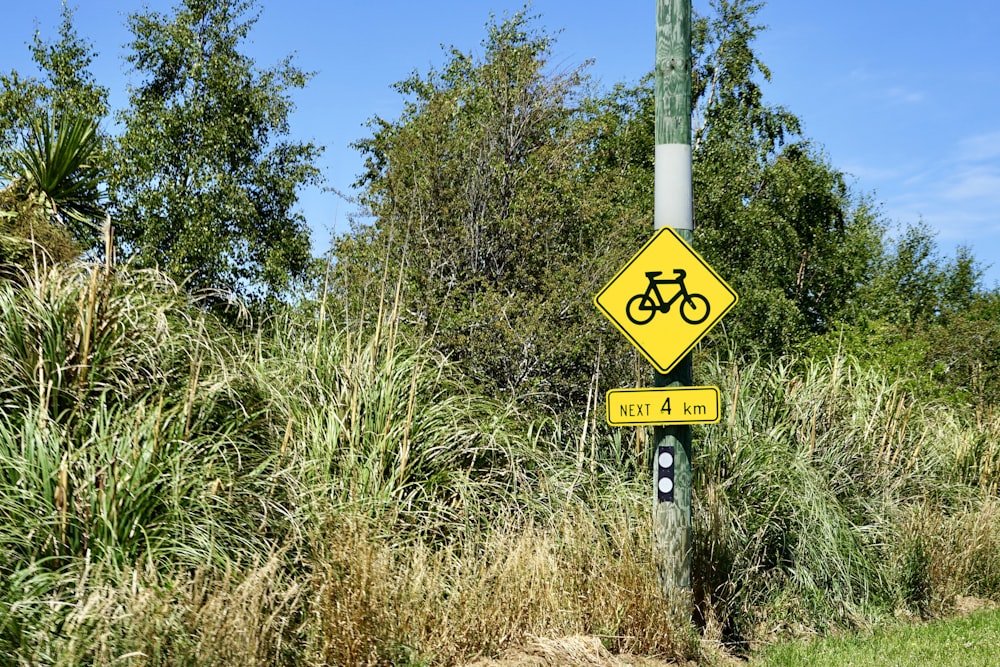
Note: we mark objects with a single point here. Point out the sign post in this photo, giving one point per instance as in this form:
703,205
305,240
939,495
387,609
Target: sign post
664,300
673,208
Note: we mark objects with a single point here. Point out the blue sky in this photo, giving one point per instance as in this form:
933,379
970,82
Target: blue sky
903,96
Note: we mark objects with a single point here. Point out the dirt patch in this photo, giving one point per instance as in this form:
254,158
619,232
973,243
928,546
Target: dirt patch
965,605
577,651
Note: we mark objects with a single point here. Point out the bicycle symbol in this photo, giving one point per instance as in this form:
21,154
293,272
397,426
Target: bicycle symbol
643,306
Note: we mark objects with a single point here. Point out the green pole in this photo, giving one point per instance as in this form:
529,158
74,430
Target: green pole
672,538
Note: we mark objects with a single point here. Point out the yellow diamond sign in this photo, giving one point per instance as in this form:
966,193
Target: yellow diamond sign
665,299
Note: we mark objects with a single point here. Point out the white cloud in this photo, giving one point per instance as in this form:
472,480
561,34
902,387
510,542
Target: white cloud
957,194
980,147
974,183
901,95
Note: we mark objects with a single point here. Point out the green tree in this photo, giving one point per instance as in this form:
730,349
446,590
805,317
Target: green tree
483,209
770,213
66,85
205,178
926,318
961,353
69,86
505,196
913,285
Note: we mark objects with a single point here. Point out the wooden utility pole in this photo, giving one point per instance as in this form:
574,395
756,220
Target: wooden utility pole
673,208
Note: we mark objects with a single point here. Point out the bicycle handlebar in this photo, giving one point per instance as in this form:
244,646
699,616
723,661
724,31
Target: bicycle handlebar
680,273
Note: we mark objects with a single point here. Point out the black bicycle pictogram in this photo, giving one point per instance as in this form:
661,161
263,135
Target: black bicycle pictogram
642,307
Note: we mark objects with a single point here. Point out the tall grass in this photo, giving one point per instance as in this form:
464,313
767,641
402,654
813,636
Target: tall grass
371,425
173,492
814,495
119,450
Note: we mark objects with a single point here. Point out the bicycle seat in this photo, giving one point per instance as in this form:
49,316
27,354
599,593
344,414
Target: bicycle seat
653,274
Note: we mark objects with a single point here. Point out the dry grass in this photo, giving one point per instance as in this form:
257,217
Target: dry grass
192,618
370,599
947,554
380,601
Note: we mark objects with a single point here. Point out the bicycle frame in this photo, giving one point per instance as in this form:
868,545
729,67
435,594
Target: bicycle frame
641,308
654,288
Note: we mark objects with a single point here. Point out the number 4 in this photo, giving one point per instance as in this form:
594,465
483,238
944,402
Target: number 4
666,406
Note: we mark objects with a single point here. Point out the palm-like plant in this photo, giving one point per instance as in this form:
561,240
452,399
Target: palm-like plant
52,183
57,172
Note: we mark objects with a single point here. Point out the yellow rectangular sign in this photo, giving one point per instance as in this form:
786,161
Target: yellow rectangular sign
663,405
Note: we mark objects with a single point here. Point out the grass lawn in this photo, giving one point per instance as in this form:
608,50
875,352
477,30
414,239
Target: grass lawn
970,641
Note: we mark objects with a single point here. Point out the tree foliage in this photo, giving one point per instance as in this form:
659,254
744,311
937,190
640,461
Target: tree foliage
56,173
499,201
925,317
506,194
70,87
485,208
913,284
205,178
66,85
770,212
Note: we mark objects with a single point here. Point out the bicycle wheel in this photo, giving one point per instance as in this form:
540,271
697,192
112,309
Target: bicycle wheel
640,309
694,309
